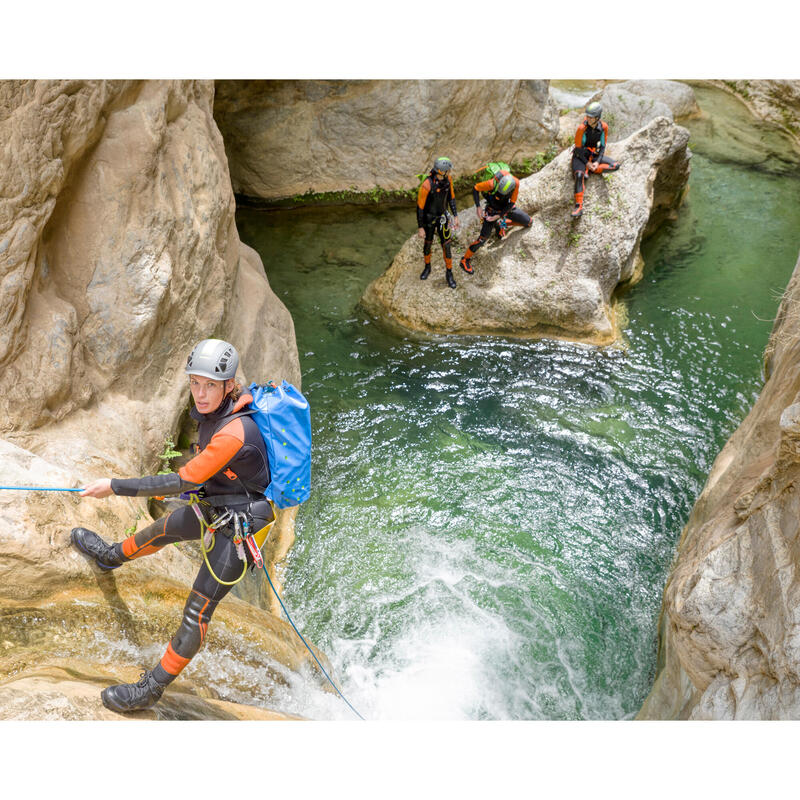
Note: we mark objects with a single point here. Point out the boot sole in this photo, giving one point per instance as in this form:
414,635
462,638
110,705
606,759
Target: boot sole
83,550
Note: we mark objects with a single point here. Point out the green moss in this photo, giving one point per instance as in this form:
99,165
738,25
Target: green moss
377,195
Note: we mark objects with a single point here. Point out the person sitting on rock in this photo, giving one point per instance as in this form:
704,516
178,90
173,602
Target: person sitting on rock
230,465
435,193
588,155
500,192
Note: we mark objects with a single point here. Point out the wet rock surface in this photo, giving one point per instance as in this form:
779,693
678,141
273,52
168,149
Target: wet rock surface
119,252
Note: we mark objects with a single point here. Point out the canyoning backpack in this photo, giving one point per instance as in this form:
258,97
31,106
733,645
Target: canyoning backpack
494,167
283,417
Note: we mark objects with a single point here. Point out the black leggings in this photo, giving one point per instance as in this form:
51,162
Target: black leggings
182,525
515,215
436,226
579,168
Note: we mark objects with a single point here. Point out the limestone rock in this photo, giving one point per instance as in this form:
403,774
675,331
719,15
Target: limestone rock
630,105
626,112
286,138
557,278
55,694
730,621
775,101
118,252
678,97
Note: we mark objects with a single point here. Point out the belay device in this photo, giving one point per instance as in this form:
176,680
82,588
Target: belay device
283,417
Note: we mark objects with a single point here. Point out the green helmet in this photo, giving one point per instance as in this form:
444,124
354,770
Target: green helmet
594,110
213,358
505,185
443,165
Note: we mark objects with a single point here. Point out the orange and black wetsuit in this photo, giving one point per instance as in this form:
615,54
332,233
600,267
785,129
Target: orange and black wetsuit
590,146
498,209
230,466
433,198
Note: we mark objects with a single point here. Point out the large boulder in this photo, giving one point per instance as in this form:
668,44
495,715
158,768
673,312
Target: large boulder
287,138
120,251
630,105
557,278
730,620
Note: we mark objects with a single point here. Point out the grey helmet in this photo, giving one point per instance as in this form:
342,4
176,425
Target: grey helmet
594,110
213,358
505,185
443,165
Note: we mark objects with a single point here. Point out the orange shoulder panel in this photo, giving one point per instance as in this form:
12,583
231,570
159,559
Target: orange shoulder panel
452,190
515,193
484,186
579,135
422,196
224,445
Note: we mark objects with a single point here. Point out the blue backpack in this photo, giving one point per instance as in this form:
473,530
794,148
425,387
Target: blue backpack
283,417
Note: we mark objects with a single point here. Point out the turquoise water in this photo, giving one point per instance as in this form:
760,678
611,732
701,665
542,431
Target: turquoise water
493,520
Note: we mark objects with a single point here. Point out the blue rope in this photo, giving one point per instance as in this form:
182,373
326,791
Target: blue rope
264,567
39,489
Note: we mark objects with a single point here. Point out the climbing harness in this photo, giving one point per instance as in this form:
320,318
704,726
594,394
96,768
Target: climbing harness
39,489
241,536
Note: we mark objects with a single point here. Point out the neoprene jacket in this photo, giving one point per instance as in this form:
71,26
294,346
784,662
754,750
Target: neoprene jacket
433,197
591,141
231,462
499,204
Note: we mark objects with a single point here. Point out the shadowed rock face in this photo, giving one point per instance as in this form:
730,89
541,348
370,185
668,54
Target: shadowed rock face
118,252
555,279
730,622
775,101
286,138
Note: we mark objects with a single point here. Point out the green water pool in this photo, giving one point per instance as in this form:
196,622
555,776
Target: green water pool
493,520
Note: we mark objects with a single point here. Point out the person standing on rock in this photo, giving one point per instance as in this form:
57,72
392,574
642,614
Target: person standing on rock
500,192
588,155
435,194
230,464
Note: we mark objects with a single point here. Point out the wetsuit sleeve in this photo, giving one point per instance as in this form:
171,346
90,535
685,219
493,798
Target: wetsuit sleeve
483,186
452,199
151,485
224,445
422,198
579,135
515,193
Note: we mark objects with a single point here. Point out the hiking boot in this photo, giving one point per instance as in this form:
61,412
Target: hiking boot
424,274
144,693
577,211
466,265
104,555
451,281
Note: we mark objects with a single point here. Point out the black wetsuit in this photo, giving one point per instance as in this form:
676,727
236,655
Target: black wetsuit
228,470
433,198
497,207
